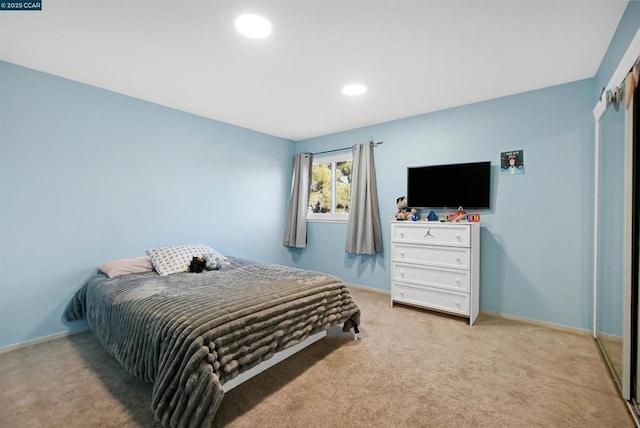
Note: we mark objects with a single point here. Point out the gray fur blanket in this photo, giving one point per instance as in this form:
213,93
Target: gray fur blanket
189,333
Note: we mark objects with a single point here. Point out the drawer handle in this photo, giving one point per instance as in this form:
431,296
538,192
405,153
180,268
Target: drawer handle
457,303
402,274
458,280
458,236
401,253
458,258
402,234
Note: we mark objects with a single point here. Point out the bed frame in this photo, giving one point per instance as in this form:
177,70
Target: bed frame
277,357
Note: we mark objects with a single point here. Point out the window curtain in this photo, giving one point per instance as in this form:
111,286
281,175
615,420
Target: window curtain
364,234
295,234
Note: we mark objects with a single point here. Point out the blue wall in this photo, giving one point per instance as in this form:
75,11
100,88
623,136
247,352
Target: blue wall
627,28
536,241
611,227
88,176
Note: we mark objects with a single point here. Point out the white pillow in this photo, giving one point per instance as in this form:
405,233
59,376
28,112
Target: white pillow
126,266
169,260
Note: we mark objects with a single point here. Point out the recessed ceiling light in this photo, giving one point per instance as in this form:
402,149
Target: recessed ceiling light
354,89
253,26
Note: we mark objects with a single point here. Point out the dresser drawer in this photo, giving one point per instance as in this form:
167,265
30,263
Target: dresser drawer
432,234
452,279
449,301
451,257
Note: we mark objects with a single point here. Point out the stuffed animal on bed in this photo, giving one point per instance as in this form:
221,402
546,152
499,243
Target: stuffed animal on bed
212,261
196,265
403,212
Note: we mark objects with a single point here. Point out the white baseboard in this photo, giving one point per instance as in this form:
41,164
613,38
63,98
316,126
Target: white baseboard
42,340
536,322
375,290
497,314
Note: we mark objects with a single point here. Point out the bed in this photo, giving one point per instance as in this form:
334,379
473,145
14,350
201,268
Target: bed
191,333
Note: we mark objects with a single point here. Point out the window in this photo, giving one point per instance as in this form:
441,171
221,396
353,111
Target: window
330,193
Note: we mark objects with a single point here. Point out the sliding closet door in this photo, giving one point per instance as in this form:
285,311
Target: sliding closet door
635,244
610,317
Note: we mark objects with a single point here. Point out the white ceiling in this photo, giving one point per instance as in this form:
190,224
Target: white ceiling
414,56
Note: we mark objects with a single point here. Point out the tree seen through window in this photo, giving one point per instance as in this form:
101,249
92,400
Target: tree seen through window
330,188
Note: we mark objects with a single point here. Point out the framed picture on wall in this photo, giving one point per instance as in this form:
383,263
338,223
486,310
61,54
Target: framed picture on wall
512,162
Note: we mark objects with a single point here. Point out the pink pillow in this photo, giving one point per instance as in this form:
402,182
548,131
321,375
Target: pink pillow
126,266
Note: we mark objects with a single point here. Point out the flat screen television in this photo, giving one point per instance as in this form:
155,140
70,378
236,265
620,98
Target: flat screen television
464,185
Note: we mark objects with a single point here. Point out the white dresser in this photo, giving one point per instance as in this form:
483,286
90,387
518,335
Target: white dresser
436,266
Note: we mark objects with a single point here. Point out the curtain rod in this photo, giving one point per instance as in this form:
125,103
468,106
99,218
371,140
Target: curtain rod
614,93
344,148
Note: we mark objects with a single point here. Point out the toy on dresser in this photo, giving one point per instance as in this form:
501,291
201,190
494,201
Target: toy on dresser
405,213
461,215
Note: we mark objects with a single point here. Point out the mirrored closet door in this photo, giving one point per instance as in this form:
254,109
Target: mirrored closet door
610,283
616,229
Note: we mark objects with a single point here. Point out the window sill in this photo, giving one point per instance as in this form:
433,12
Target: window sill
328,219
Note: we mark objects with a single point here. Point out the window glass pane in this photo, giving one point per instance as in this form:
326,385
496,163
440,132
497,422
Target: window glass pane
343,186
321,191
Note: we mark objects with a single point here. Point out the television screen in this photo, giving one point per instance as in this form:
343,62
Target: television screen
465,185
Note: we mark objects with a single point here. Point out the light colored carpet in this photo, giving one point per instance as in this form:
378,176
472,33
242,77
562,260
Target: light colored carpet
412,368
